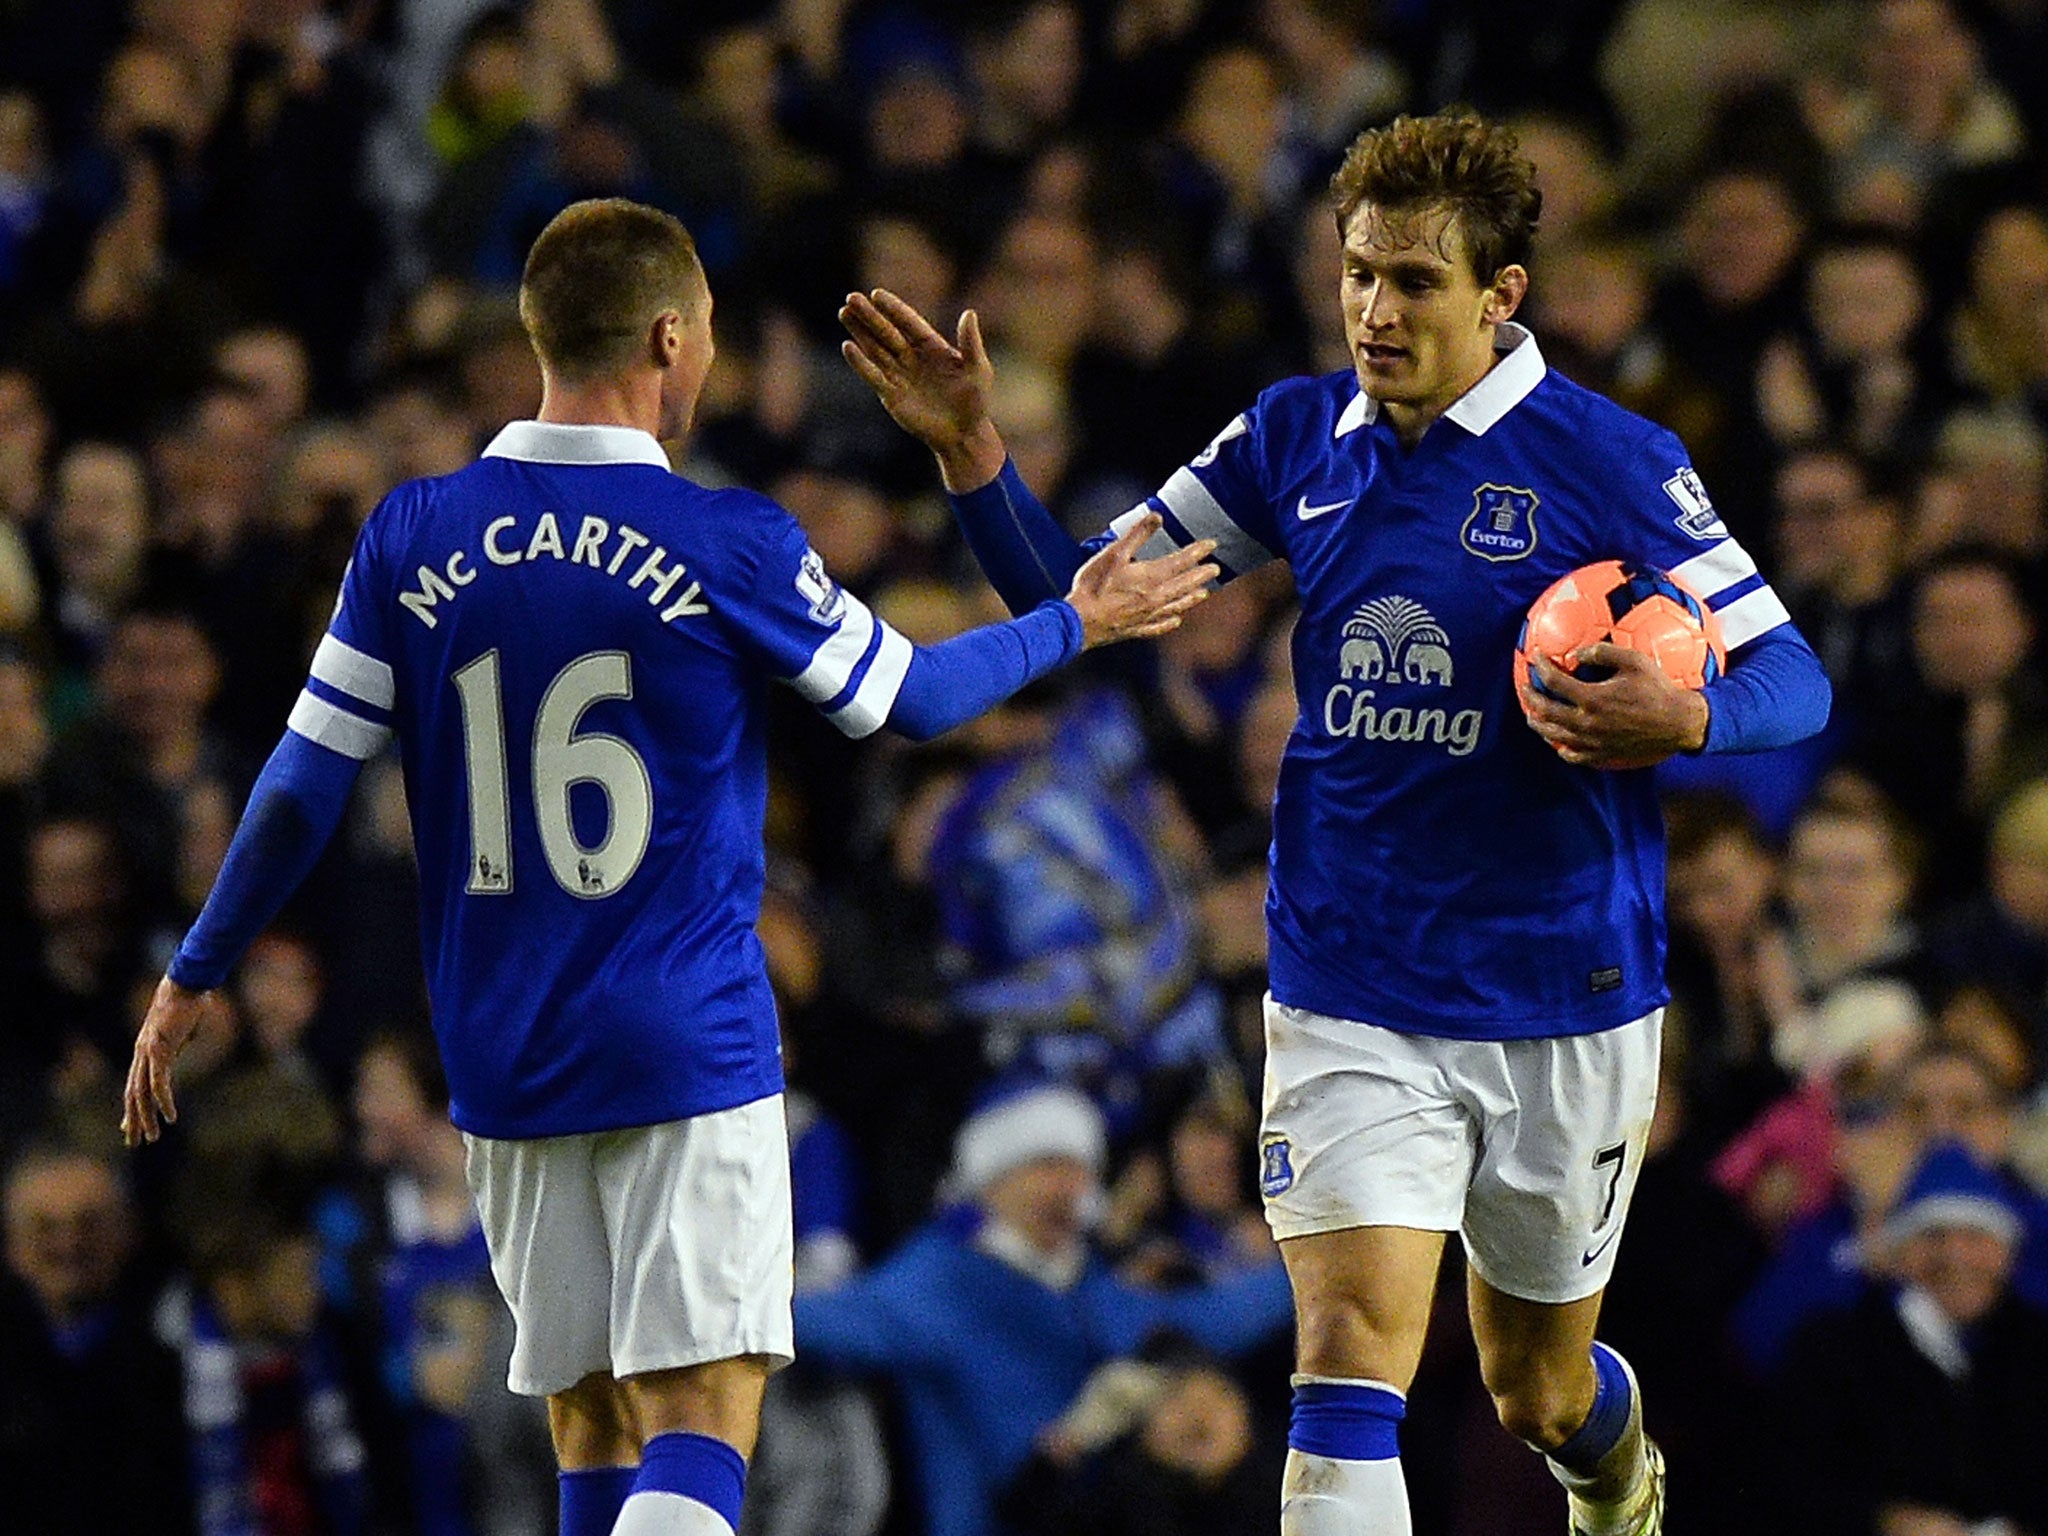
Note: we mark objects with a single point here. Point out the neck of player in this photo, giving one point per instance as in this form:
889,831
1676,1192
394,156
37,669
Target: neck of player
1411,418
615,400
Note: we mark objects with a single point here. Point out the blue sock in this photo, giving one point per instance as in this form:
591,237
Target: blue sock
1605,1423
592,1498
1346,1421
1343,1474
696,1467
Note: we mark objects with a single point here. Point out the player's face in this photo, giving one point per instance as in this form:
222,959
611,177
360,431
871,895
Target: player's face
1420,325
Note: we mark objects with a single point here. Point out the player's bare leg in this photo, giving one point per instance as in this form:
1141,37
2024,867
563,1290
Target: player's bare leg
721,1398
697,1425
662,1453
1575,1401
597,1446
1361,1304
592,1425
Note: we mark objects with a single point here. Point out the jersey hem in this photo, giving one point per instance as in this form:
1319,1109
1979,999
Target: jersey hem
516,1129
1631,1006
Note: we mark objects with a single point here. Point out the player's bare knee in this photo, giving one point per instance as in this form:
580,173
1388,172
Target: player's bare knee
1336,1335
719,1398
1538,1410
593,1425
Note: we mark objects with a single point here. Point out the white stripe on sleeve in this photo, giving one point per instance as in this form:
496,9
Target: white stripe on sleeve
1203,516
1747,617
340,665
833,662
1161,543
1717,570
336,729
864,713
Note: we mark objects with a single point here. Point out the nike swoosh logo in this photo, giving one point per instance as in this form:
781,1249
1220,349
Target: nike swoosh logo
1592,1255
1304,511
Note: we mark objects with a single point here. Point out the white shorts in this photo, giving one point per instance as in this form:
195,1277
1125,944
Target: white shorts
1528,1148
641,1249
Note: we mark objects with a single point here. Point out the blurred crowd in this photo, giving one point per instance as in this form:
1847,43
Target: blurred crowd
256,266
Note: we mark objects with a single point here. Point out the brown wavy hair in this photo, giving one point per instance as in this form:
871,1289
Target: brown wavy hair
1455,160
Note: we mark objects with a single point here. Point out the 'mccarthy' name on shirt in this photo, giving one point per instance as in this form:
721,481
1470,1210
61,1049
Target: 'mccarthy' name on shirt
614,549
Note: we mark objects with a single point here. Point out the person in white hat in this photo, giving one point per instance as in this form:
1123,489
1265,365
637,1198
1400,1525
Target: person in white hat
992,1318
1919,1409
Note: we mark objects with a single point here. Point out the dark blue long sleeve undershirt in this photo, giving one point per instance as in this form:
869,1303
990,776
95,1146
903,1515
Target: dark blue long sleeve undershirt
1775,692
1020,546
293,810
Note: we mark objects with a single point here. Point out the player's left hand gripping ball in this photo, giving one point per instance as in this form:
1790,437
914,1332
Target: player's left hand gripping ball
1610,663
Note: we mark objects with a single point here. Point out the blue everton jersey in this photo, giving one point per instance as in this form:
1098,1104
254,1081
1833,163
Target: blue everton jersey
572,645
1436,867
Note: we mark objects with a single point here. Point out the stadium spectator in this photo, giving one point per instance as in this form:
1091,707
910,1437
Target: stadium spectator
1152,365
1998,937
1848,886
1941,1092
148,750
1975,708
274,1427
1026,61
444,1340
91,1432
1916,1409
1987,485
1202,1219
84,953
990,1320
1339,77
1925,111
1842,549
97,534
1994,331
1595,313
1164,1445
1856,370
1742,233
1724,966
278,995
1039,288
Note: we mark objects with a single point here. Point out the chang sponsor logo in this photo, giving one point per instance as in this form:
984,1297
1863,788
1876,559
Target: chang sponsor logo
1393,645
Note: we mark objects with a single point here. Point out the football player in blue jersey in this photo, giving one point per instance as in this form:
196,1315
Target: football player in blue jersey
571,645
1465,914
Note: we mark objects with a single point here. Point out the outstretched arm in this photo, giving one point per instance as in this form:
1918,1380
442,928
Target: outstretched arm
1113,597
938,391
296,805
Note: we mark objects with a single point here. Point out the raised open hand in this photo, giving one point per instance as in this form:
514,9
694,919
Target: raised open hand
1121,597
937,390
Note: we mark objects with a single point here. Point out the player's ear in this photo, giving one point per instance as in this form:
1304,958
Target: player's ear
665,338
1505,294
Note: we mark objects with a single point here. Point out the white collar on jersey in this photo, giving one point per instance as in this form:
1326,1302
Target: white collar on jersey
1506,385
552,442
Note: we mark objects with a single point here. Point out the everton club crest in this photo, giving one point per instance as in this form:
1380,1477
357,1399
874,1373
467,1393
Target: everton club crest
1276,1171
1503,523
